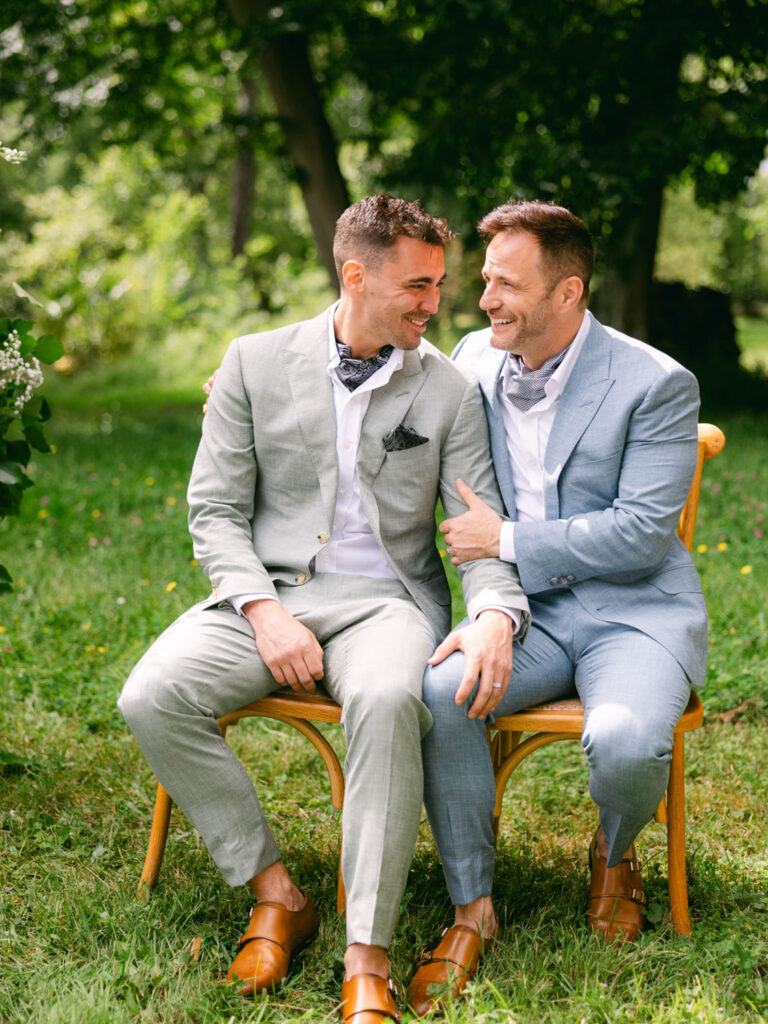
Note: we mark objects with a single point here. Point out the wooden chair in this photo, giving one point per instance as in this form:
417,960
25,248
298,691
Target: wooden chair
550,722
300,710
564,720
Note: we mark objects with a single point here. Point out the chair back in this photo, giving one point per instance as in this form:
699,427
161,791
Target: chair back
711,443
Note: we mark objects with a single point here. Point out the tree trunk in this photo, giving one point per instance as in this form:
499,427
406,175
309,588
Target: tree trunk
244,168
623,296
284,59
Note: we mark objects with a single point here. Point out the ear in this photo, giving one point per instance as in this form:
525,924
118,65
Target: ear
568,294
353,275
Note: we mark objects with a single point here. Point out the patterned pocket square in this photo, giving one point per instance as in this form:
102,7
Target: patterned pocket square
401,438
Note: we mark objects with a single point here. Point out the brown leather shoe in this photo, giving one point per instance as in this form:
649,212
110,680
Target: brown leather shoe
368,999
446,970
616,897
273,935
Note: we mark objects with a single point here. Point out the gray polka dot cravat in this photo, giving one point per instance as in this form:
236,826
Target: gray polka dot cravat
526,387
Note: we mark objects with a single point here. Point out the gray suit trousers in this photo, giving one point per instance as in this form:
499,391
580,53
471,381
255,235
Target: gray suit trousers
375,642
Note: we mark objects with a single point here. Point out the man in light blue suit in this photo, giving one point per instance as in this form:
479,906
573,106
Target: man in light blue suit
593,436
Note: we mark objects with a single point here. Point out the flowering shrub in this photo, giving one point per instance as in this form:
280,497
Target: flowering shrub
22,413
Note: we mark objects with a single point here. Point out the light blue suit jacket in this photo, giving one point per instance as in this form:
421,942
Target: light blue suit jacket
617,470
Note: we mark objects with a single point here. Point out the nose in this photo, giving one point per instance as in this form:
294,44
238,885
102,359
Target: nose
488,299
430,299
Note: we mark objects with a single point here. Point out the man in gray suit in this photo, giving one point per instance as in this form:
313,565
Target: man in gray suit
593,437
312,501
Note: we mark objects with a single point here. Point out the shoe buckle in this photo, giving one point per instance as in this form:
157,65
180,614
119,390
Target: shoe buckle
638,896
392,987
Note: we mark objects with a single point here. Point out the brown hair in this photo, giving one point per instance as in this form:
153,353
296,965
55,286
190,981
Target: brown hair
564,240
368,228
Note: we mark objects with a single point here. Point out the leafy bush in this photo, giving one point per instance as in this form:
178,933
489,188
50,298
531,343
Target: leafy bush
21,413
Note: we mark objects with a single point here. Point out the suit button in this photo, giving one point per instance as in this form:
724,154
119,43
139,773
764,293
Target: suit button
301,578
569,579
323,538
554,581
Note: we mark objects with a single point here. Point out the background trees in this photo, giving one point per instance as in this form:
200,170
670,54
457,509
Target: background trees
228,116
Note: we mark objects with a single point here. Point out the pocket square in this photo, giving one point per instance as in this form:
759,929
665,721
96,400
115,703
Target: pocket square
401,438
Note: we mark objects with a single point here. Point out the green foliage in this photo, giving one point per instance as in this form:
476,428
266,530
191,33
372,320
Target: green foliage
129,256
21,415
753,341
723,247
583,103
458,107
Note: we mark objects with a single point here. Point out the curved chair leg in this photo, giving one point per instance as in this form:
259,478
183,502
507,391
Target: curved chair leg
157,840
163,803
678,887
332,766
518,754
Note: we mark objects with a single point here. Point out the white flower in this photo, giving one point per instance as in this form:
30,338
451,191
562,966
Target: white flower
19,375
12,156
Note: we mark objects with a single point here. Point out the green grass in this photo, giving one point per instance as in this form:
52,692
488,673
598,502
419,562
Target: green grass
103,561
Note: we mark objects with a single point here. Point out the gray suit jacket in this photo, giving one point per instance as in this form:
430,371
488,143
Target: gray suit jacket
263,488
617,470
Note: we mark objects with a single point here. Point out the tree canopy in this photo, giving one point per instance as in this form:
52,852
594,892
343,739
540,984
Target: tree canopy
597,104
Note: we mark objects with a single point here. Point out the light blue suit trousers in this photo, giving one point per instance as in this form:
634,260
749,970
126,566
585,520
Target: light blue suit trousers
633,691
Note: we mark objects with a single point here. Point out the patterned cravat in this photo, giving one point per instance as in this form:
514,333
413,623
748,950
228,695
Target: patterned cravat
353,372
526,387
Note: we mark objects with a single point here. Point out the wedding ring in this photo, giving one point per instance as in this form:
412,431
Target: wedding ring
498,686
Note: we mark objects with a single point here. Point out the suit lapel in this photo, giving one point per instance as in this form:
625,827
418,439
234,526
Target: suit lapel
490,368
387,409
305,360
589,383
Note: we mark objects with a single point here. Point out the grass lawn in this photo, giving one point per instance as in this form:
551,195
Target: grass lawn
102,562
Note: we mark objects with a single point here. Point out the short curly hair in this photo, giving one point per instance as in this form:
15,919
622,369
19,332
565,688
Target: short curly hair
367,229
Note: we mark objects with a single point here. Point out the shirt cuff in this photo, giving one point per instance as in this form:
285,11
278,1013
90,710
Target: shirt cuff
507,542
513,613
241,599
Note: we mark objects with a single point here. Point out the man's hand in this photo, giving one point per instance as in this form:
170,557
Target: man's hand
289,650
475,533
487,647
207,389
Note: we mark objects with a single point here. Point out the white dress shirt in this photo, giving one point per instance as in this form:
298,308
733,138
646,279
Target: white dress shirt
527,436
352,548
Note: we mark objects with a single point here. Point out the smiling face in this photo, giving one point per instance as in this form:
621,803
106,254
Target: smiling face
529,312
390,304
